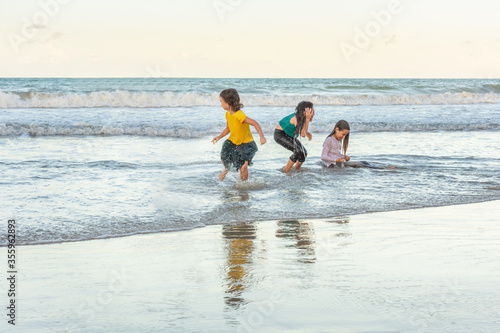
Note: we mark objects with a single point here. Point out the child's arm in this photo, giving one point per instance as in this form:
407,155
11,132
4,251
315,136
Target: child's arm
309,116
223,134
255,124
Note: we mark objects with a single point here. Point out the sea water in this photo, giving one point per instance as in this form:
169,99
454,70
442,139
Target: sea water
95,158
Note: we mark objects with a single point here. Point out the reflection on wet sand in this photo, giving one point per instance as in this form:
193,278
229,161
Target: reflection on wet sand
239,240
244,253
302,236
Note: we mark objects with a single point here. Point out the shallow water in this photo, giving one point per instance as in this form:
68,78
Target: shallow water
73,171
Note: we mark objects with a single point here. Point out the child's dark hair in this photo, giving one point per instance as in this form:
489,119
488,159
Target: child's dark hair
231,97
342,125
300,114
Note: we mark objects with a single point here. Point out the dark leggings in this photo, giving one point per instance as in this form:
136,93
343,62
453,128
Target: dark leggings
292,144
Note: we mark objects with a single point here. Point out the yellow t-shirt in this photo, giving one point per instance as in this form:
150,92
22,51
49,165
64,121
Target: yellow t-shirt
240,131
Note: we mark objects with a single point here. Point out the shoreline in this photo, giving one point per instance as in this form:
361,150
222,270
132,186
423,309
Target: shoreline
253,221
430,269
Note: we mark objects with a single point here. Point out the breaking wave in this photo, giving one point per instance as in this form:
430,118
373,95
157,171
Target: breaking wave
114,99
187,131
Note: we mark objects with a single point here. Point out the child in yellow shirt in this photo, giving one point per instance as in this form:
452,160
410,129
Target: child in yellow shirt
239,149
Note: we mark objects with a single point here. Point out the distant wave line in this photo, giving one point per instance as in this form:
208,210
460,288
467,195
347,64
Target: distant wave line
130,99
185,131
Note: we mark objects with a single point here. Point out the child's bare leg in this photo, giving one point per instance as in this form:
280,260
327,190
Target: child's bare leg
244,171
298,165
223,174
289,165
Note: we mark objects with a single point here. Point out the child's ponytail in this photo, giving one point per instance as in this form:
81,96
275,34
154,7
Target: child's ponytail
231,97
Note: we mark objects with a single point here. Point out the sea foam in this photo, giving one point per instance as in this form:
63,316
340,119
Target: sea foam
114,99
188,131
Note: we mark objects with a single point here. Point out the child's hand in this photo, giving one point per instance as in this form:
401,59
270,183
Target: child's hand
262,140
309,113
309,136
347,158
215,139
340,160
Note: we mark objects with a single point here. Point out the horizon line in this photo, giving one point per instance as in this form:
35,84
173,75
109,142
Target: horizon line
249,78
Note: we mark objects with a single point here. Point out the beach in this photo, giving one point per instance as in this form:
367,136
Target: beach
116,122
122,225
420,270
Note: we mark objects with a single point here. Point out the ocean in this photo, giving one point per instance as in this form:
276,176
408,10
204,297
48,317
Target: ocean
96,158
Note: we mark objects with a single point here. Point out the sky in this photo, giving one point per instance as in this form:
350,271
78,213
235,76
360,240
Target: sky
250,38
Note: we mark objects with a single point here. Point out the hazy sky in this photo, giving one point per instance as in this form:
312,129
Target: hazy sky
250,38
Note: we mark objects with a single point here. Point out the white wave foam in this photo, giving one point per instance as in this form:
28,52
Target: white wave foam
170,99
89,130
190,132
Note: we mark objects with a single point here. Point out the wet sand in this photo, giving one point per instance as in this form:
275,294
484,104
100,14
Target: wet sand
423,270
